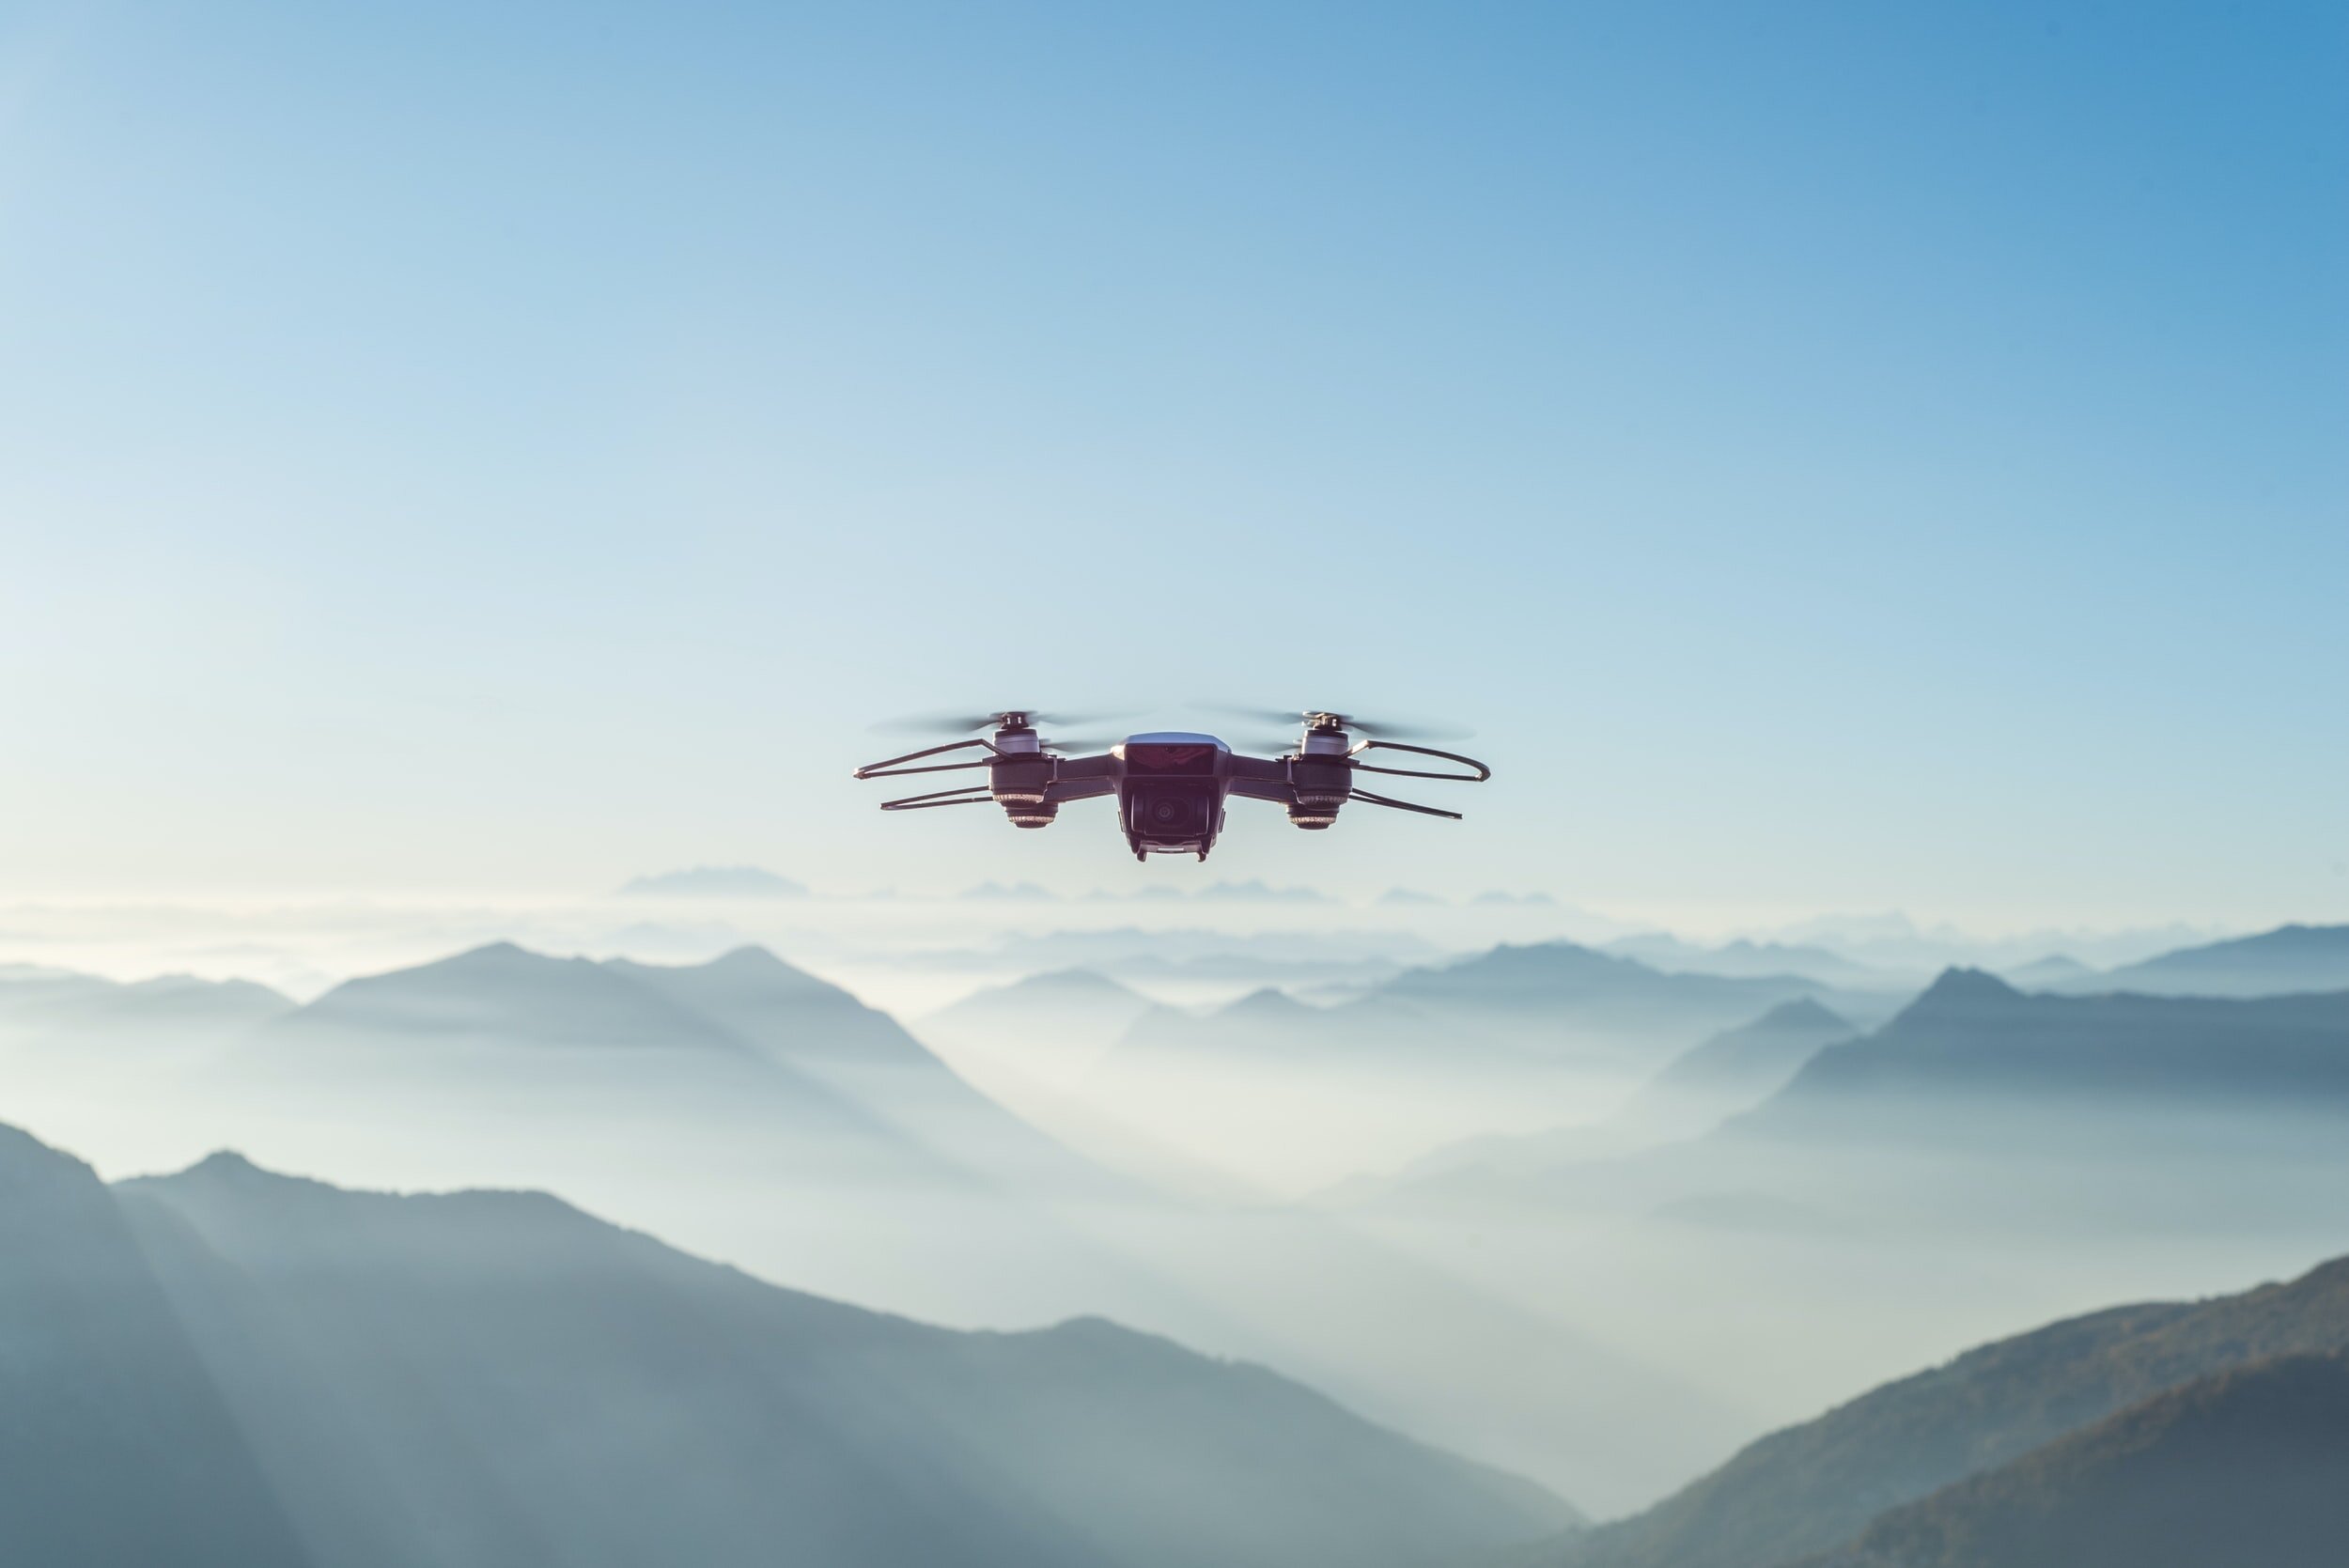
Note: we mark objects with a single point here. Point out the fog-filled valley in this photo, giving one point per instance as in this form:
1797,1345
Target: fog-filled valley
1585,1217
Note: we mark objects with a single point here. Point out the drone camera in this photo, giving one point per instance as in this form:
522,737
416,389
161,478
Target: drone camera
1165,812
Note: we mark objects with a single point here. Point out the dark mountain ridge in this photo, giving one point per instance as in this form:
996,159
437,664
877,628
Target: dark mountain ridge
2250,1465
115,1444
1810,1488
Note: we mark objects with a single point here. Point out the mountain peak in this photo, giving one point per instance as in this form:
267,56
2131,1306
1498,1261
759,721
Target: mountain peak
1266,1003
751,958
498,957
225,1169
226,1165
1960,985
1073,982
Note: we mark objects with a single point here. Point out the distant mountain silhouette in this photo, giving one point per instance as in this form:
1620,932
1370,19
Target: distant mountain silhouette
784,1013
1736,1068
2247,1466
1732,1072
1971,1034
1566,1002
175,1009
1063,985
487,1379
2289,959
1045,1032
1256,891
1025,893
1810,1488
2052,973
514,998
814,1028
1268,1026
715,881
1747,959
746,1027
115,1445
1294,1096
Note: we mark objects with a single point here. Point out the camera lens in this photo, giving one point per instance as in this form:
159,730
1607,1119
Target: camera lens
1169,810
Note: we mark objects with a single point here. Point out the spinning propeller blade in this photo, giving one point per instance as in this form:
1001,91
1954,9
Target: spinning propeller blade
969,723
1384,729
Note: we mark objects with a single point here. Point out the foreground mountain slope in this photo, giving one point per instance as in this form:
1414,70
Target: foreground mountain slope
116,1447
1810,1488
537,1387
2248,1466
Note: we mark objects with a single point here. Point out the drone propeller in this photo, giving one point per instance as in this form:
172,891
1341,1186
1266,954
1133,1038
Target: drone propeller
966,723
1401,730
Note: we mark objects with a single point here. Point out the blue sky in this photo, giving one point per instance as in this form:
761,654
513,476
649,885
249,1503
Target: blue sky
1836,456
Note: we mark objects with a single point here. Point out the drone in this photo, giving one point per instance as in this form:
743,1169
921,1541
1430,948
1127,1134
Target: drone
1170,784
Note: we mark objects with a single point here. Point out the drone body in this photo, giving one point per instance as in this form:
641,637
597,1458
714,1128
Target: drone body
1171,785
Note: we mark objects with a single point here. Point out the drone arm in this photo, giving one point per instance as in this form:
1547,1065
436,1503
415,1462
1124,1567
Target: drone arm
1480,774
1400,805
1276,790
1066,789
1259,779
966,794
894,768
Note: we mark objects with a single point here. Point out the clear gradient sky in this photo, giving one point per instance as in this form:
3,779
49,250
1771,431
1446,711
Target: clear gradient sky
1837,455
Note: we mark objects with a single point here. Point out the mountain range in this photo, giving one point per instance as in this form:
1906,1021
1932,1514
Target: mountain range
1695,1091
747,1112
2192,1102
38,1004
227,1366
817,1064
2289,959
1572,1004
1973,1037
1748,959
